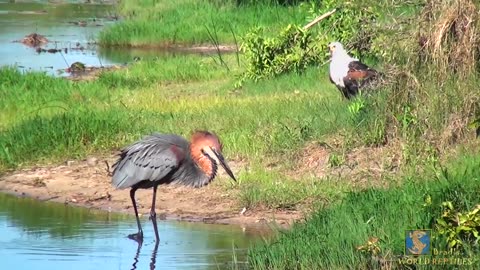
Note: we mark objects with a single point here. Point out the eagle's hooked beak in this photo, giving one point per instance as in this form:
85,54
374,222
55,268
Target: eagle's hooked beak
224,164
331,48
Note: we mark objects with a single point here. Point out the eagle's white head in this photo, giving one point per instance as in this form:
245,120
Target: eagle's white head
336,48
339,64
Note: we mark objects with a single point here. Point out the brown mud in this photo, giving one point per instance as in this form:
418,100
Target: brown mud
87,183
186,48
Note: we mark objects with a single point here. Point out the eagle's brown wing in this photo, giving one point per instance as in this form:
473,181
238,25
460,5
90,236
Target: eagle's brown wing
358,76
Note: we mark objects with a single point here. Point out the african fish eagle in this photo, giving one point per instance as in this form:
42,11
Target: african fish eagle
348,73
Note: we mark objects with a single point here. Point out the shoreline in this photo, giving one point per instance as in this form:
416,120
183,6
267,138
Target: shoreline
86,184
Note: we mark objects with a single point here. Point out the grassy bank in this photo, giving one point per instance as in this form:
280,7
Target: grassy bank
258,123
333,237
253,122
160,23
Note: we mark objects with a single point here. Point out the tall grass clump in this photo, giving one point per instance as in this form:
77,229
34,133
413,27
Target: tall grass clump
94,117
366,230
432,96
165,23
75,132
32,88
164,70
256,2
26,94
273,190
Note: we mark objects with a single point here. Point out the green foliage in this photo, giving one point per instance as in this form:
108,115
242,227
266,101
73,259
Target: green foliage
62,119
165,23
177,68
71,132
357,107
271,189
367,113
432,77
459,227
336,160
428,99
475,124
352,24
293,50
372,222
266,2
408,121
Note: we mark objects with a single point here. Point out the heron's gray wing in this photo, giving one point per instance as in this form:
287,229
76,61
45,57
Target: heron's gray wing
151,158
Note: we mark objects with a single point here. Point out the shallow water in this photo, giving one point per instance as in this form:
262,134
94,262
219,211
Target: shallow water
42,235
57,23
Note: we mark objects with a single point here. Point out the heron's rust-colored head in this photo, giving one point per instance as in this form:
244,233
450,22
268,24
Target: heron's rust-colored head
206,151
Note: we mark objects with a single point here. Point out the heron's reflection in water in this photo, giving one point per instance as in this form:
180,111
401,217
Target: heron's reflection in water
153,258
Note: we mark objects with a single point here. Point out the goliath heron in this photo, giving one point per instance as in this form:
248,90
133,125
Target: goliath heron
163,159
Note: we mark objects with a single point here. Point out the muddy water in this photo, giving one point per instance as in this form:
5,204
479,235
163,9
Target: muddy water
69,25
40,235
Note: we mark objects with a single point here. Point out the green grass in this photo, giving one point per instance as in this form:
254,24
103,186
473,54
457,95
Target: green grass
166,70
69,134
330,237
157,23
269,120
274,190
34,93
258,122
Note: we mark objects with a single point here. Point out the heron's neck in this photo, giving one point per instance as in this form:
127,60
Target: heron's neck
195,175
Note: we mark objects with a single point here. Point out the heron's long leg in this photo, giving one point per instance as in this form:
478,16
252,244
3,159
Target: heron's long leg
138,236
153,215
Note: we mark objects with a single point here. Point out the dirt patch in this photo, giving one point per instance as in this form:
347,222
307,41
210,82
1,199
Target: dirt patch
361,166
454,131
186,48
86,183
206,48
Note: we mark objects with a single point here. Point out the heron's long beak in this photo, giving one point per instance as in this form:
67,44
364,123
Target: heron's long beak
225,165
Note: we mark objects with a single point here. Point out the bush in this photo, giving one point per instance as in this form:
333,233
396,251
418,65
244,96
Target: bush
292,50
296,48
